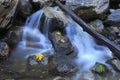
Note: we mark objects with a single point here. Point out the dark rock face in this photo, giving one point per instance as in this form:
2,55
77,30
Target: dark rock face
14,35
89,9
62,45
25,8
114,4
7,14
56,25
4,51
113,19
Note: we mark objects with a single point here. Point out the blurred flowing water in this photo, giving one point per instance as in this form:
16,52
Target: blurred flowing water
33,41
89,52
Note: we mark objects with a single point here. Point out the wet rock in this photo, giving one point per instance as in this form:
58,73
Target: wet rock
89,10
7,14
37,4
99,68
115,4
87,76
56,13
64,53
57,25
97,25
14,35
112,33
66,68
113,19
4,51
41,59
115,63
25,8
62,45
40,67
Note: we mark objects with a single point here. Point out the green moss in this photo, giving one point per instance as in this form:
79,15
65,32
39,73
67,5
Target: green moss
100,68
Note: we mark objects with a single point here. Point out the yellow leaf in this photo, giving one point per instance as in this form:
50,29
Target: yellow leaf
39,56
62,40
58,33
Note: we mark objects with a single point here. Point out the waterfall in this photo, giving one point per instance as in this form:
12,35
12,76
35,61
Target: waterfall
33,40
89,52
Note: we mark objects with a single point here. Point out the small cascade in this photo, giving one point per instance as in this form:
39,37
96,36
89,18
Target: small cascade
89,52
33,40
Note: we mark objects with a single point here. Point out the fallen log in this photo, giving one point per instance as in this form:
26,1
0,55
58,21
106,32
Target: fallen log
113,47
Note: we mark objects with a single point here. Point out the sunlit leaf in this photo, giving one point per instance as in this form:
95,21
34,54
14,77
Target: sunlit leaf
39,56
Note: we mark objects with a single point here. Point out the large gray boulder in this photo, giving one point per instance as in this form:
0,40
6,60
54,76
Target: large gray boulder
89,9
7,14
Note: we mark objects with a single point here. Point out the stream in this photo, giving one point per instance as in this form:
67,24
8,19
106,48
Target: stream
35,42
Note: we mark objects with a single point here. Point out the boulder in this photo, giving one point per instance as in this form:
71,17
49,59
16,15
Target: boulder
7,14
89,9
113,19
62,45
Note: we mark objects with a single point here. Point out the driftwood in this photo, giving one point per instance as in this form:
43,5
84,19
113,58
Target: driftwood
7,12
114,48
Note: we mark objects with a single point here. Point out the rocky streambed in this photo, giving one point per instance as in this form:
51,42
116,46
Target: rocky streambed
32,57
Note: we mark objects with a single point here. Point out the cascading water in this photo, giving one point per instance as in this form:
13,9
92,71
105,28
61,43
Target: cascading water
33,34
88,51
33,40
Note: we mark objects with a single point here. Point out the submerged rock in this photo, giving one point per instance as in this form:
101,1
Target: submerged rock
89,9
113,19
